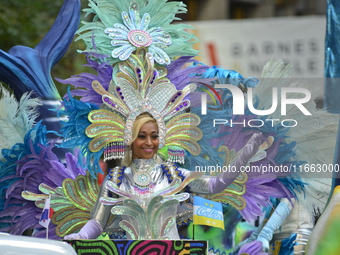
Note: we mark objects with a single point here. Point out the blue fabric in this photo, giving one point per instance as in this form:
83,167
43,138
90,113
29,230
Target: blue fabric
332,69
26,69
275,221
332,53
287,245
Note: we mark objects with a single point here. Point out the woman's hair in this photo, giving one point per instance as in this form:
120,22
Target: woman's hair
142,119
139,122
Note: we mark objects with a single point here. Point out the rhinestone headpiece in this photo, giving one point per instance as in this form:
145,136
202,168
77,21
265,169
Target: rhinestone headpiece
141,86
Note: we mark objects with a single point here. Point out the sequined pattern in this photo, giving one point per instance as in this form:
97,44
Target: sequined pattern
233,193
71,203
140,85
135,33
152,216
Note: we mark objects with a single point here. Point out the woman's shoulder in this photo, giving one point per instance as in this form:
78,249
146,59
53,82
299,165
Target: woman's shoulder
172,171
116,174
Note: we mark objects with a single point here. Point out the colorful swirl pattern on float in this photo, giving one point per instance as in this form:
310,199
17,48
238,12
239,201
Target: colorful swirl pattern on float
139,247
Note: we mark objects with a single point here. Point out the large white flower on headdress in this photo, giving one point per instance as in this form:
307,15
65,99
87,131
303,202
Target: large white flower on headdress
136,34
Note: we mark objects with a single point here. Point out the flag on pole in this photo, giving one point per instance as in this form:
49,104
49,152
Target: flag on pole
207,212
46,214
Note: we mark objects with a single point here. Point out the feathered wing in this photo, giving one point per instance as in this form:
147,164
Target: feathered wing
26,158
72,202
314,135
16,120
27,69
312,141
221,143
317,148
27,162
39,171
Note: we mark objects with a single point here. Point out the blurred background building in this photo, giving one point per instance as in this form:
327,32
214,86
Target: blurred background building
244,34
245,9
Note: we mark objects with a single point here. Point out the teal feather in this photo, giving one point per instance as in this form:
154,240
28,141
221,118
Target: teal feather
162,14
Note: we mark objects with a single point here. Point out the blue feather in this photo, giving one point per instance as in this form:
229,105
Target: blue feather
73,132
8,167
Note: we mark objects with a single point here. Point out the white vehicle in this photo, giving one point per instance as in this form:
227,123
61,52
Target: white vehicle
25,245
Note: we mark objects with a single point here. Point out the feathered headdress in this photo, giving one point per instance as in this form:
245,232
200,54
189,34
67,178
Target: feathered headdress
140,87
138,40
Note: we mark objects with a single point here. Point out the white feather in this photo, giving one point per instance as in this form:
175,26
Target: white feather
314,134
16,118
316,194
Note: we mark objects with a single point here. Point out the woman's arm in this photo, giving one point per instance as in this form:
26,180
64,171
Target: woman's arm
280,214
216,184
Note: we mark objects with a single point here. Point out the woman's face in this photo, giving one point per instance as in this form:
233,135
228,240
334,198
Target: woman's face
146,144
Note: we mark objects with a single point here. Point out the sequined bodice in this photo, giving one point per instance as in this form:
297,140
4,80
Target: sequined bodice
143,177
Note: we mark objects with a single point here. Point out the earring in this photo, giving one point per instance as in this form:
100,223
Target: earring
176,154
114,150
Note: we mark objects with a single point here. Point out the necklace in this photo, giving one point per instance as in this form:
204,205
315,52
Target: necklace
142,177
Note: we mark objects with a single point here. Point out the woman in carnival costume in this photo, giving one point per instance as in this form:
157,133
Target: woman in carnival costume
132,46
142,179
141,82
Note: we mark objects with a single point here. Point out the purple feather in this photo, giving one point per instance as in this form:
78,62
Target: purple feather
180,75
34,169
258,193
84,81
253,248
